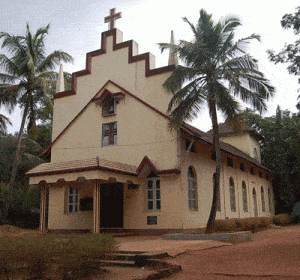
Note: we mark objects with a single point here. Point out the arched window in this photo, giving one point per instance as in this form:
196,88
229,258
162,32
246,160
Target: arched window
192,189
263,205
270,200
244,194
254,203
232,195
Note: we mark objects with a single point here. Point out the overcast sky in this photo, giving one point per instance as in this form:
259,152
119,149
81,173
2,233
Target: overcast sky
76,28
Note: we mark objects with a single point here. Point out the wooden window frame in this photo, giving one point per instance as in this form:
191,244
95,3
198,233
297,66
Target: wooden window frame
73,201
153,194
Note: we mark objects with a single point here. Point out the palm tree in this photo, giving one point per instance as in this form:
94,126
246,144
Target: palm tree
26,75
217,72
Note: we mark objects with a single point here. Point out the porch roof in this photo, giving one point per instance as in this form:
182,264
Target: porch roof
91,169
82,165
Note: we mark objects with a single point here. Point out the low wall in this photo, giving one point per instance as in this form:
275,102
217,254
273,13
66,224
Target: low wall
225,237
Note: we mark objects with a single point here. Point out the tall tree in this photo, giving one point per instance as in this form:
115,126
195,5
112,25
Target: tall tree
26,74
217,70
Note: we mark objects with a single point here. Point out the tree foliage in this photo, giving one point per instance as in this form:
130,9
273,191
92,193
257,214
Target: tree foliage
27,79
280,152
290,53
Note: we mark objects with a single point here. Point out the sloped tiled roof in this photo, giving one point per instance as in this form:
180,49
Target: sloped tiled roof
92,164
226,128
82,165
208,138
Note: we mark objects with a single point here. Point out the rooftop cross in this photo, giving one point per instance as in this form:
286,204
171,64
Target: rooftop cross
111,18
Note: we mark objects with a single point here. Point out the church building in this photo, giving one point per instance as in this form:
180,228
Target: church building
115,163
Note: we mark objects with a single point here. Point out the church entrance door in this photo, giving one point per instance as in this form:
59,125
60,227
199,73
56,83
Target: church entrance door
111,209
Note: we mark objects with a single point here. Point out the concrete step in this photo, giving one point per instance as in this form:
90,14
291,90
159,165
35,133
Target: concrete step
117,263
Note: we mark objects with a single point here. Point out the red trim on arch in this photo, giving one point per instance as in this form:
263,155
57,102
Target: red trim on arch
146,161
106,93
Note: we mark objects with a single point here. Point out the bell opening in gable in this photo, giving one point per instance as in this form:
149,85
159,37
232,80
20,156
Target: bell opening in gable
109,106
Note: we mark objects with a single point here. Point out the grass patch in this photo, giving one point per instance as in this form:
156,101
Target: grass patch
52,256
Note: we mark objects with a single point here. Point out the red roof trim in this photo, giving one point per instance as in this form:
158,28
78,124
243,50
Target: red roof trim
106,93
64,93
131,59
169,171
90,168
147,161
46,151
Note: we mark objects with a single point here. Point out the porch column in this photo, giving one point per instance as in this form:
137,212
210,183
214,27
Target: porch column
97,207
44,209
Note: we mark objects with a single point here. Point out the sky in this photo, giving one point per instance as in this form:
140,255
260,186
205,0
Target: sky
76,28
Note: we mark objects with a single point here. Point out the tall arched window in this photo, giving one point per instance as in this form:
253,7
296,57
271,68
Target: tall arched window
244,194
254,203
192,189
263,205
270,200
232,195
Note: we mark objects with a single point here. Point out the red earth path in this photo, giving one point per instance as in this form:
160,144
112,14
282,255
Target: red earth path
274,254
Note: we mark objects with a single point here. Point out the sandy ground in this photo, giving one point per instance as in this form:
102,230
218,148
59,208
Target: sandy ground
273,255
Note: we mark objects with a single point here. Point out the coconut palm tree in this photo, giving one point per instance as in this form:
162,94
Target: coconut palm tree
217,72
26,75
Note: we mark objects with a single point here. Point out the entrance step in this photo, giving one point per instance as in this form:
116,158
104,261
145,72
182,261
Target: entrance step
124,258
117,232
117,263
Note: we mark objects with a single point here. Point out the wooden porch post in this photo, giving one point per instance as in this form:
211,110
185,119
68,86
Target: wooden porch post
97,207
44,209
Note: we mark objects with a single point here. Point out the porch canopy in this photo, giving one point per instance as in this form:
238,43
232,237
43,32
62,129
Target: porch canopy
88,169
100,171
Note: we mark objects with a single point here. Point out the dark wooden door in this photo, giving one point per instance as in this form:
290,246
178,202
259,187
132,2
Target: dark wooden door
111,209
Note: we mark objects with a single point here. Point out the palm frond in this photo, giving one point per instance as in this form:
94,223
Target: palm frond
4,121
188,102
53,60
8,65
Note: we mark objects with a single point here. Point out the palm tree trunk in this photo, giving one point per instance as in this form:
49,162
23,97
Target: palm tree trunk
12,181
216,177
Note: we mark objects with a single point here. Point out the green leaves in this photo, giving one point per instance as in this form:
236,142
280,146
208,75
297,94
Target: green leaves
215,68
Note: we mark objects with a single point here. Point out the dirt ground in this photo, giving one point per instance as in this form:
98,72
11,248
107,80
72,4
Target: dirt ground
273,255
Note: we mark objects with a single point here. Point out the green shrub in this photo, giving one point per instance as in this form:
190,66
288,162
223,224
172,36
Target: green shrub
242,224
282,219
37,257
225,225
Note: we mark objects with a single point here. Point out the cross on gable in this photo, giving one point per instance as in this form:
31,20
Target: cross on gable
111,18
